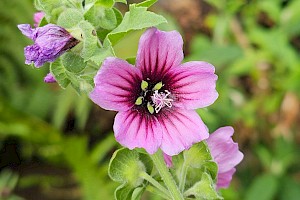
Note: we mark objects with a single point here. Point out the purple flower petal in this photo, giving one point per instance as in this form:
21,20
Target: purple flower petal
134,129
225,178
168,160
49,78
115,84
37,17
193,84
26,30
158,52
225,152
181,129
50,42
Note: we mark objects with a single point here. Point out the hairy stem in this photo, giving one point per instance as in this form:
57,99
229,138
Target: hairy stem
161,167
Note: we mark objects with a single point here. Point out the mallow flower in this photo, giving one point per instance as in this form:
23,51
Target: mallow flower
226,154
50,42
156,98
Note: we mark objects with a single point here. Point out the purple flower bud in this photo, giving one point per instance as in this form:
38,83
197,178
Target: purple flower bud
49,78
37,17
50,42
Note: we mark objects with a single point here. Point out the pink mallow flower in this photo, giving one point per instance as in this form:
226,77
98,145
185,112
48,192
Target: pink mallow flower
225,153
156,98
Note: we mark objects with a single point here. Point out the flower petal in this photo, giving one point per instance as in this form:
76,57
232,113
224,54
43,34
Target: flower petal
193,84
224,151
116,85
181,129
224,179
168,160
136,129
49,78
159,51
26,30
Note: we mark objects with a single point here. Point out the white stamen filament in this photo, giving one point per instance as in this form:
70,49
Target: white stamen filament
161,100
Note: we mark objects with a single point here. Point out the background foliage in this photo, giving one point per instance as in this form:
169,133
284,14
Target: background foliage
55,144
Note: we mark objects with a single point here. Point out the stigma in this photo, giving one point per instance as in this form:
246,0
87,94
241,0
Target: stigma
161,100
154,97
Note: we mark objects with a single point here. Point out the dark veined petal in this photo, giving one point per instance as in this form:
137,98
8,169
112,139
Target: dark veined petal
193,84
158,52
115,85
181,129
136,129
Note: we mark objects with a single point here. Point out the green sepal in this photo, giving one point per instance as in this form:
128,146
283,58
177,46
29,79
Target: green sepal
125,192
70,18
204,189
136,18
125,167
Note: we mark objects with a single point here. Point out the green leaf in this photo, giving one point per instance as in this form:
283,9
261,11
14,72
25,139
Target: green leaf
121,1
263,188
73,62
69,18
124,192
131,60
59,73
105,3
146,3
89,36
197,155
137,18
125,167
204,189
101,54
102,17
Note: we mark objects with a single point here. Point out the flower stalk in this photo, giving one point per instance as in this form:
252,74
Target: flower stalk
161,167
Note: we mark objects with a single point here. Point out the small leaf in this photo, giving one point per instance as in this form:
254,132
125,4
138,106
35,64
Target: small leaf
136,19
203,189
146,3
101,54
59,72
102,17
125,167
69,18
89,39
72,62
105,3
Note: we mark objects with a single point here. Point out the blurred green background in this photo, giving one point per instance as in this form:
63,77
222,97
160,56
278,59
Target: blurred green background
56,145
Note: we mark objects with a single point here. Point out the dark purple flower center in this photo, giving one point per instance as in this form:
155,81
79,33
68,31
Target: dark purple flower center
153,97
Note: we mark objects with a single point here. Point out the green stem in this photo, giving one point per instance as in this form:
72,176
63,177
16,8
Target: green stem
154,190
182,179
151,180
161,166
